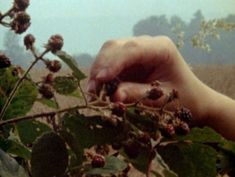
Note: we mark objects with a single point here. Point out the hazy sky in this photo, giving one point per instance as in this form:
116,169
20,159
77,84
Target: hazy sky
86,24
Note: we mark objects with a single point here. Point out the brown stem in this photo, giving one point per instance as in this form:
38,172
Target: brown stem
83,94
40,115
18,84
6,14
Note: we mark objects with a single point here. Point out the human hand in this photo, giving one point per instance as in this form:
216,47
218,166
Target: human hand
140,60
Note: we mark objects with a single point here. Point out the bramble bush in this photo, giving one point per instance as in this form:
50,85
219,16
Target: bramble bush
97,138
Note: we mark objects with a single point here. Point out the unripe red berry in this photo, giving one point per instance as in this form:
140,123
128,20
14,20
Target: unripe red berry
54,65
21,22
155,93
98,161
118,109
29,40
46,91
55,43
49,78
4,61
169,130
21,5
183,128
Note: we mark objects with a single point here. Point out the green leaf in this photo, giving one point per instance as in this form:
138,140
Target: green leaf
194,160
31,129
48,102
24,98
76,93
9,167
15,148
65,84
113,165
49,156
202,135
88,131
69,60
228,146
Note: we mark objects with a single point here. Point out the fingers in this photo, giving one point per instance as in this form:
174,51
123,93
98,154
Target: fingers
128,92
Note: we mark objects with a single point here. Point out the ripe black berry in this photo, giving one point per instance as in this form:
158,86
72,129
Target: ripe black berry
98,161
46,91
29,40
21,5
4,61
55,43
111,87
116,145
184,114
155,93
132,148
54,65
118,109
21,22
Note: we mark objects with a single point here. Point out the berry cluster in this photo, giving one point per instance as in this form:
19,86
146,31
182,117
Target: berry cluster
4,61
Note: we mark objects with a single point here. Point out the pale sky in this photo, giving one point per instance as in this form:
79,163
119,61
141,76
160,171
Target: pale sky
86,24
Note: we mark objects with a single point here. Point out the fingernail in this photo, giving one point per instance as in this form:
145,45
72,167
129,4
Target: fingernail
91,85
102,74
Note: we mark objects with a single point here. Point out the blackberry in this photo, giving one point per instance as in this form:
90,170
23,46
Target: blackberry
155,93
21,5
98,161
116,145
184,114
4,61
111,87
49,78
46,91
21,22
29,40
183,128
169,130
118,109
54,65
55,43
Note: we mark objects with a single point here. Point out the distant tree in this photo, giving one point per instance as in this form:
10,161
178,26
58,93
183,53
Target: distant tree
84,59
154,25
15,51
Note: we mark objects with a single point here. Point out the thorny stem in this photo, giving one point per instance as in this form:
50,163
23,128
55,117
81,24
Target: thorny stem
40,115
18,84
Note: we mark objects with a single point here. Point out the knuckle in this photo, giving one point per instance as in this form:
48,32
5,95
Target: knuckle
108,44
131,45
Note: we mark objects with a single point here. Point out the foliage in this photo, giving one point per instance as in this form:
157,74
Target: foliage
99,137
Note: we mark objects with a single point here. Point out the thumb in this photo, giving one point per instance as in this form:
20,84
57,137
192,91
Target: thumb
129,92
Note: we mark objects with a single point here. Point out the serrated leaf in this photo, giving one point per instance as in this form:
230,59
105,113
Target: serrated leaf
65,84
202,135
9,167
15,148
48,102
49,156
194,160
113,165
24,98
69,60
89,131
31,129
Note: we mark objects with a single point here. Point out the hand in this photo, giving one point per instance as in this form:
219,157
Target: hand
140,60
